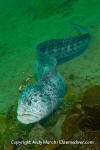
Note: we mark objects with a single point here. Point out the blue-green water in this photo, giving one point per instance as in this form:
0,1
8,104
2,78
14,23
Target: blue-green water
23,25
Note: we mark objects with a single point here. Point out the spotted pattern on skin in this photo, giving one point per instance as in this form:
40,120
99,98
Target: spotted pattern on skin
40,100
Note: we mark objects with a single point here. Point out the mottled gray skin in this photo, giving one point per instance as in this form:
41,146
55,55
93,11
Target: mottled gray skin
40,100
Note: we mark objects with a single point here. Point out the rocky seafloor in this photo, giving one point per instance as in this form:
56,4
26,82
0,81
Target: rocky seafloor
79,122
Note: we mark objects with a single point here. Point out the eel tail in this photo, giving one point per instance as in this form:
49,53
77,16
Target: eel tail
82,29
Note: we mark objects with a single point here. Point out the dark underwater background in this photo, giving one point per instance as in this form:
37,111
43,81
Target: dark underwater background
23,25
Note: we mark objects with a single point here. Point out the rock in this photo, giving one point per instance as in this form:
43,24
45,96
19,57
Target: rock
37,133
92,97
91,119
9,147
56,129
91,107
13,146
51,147
49,136
82,127
70,126
25,147
93,136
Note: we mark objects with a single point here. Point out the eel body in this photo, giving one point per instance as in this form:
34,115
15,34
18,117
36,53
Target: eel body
40,100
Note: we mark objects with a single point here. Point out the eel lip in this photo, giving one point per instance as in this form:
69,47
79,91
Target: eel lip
28,118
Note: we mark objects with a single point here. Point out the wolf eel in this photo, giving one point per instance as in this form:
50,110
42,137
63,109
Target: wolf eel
40,100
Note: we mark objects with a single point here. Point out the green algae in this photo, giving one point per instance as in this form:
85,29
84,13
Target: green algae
11,129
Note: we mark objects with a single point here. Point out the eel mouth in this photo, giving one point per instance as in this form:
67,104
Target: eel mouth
27,118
